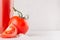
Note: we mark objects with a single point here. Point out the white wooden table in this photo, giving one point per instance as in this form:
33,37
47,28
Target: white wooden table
38,35
45,35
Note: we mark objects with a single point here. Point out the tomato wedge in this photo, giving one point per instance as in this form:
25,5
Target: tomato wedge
20,24
11,31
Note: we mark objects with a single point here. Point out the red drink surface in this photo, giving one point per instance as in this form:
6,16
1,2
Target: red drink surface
4,14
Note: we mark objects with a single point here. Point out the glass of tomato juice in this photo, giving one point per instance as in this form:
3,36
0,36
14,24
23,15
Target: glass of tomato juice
5,11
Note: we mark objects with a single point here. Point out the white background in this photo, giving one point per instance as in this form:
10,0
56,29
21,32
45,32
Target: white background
44,14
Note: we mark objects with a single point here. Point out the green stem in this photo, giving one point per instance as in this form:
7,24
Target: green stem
18,12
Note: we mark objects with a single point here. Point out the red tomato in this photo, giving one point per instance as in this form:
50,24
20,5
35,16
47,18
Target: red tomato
11,31
20,23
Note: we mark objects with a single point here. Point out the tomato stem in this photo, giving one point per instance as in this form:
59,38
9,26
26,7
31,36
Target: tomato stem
25,17
18,12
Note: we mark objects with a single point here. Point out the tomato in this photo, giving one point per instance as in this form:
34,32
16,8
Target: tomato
20,23
11,31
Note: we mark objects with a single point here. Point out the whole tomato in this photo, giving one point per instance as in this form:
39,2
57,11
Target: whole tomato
20,24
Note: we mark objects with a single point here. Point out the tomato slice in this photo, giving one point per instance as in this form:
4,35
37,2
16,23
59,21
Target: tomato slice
11,31
20,23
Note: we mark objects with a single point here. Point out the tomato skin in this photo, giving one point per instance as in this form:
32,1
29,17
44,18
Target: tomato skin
10,32
20,23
